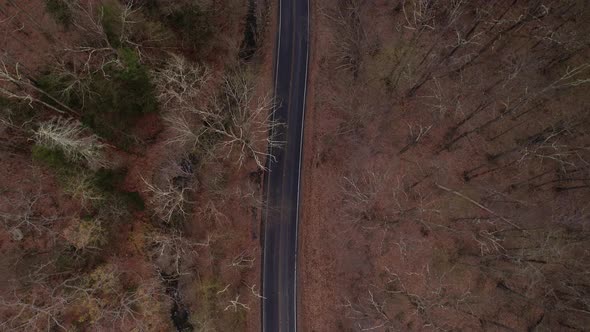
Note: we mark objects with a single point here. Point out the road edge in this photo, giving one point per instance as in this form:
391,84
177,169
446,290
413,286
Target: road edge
301,163
308,147
273,34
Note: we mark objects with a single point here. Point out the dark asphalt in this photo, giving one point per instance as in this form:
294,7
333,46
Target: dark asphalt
279,306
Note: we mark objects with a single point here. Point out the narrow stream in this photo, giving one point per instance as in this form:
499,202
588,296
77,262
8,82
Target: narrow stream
179,313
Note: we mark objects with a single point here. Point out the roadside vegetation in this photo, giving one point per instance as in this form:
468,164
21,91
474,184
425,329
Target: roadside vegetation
132,141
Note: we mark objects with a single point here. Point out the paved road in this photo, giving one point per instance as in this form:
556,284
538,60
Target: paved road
279,308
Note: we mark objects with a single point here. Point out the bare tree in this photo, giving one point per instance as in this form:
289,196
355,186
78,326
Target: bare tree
244,125
168,200
374,199
113,297
253,128
350,45
242,260
34,313
254,291
83,187
180,83
170,250
414,136
22,214
70,137
17,85
86,234
236,305
37,306
210,212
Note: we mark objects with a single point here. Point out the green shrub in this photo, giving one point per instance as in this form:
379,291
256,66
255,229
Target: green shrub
111,22
109,181
133,200
53,158
135,93
193,24
55,84
153,34
119,96
105,183
60,11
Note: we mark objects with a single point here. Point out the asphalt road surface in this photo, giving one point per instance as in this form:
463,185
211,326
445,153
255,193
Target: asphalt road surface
279,286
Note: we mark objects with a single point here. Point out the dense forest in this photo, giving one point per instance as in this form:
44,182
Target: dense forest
132,139
446,174
449,161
